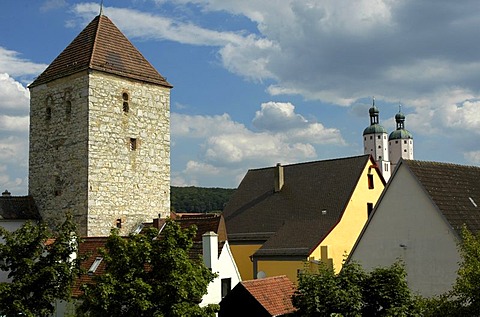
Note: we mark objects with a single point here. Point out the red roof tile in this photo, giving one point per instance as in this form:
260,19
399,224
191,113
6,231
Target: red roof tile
273,293
101,46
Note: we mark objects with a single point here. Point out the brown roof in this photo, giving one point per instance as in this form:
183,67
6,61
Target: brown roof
273,293
18,207
101,46
90,246
257,213
453,188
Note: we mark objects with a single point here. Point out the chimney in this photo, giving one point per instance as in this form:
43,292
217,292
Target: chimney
279,179
210,250
6,193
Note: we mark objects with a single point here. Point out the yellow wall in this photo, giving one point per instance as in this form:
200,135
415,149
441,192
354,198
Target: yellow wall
342,238
241,255
275,268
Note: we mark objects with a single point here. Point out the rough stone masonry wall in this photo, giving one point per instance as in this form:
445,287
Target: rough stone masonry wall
81,159
127,186
58,161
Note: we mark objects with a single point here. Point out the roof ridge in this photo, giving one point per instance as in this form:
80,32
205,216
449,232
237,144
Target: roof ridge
90,62
313,162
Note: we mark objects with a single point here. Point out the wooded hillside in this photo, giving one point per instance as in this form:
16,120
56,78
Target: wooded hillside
199,199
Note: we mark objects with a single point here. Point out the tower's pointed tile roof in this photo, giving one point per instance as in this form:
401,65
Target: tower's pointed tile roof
101,46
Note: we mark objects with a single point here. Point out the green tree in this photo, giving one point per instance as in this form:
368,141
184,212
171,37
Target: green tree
466,290
149,275
353,292
40,268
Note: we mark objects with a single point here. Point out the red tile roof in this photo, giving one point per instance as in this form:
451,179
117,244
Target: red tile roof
101,46
273,293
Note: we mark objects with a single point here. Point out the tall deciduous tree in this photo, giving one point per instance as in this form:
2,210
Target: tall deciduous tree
41,268
149,275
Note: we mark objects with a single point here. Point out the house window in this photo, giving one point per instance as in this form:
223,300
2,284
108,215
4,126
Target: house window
133,144
369,209
95,265
126,106
370,181
226,286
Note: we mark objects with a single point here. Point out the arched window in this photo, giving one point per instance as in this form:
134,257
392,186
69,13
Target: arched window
126,106
68,105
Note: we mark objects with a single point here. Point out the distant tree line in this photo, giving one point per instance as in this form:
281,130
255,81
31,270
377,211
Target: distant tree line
199,199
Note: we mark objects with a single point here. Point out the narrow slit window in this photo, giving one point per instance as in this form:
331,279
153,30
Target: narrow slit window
118,223
370,181
68,109
133,144
126,106
48,113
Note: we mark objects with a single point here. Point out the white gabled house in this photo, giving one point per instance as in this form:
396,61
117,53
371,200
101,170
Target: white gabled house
418,219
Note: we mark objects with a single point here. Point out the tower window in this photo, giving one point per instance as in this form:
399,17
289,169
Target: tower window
379,137
133,144
379,146
126,106
118,223
371,137
396,141
404,141
364,138
68,109
370,181
48,113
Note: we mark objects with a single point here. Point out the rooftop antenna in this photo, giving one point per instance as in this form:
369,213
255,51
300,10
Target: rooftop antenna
101,7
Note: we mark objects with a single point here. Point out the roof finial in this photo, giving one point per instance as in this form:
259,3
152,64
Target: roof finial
399,107
373,102
101,7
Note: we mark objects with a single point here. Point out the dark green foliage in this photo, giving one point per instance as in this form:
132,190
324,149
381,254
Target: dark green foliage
199,199
353,292
41,270
467,287
146,276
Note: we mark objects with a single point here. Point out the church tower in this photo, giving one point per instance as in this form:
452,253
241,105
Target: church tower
400,141
375,142
100,134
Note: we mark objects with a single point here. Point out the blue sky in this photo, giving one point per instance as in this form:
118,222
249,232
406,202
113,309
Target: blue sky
258,82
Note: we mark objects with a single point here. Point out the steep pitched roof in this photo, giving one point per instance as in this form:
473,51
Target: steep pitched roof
257,212
453,188
18,207
101,46
273,293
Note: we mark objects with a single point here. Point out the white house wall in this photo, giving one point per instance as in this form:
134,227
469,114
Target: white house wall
406,225
226,269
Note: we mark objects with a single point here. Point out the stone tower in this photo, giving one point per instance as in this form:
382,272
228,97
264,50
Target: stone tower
375,142
400,141
100,134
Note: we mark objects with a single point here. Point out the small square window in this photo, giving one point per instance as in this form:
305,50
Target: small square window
379,137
